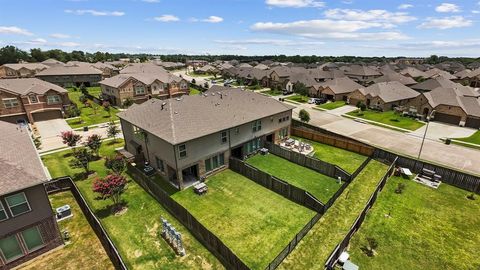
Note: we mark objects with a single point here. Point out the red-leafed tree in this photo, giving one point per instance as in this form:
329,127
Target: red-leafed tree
111,187
70,139
94,142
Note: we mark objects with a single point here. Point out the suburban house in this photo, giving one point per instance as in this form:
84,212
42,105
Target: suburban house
69,76
206,69
142,86
390,76
413,73
433,83
279,76
337,89
28,227
362,74
435,72
21,70
135,68
472,78
107,69
190,137
383,96
51,62
249,75
31,100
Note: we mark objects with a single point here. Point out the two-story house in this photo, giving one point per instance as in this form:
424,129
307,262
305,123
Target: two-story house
69,76
21,70
191,137
28,227
31,99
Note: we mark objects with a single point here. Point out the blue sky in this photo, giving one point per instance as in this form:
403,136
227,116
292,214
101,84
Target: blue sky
248,27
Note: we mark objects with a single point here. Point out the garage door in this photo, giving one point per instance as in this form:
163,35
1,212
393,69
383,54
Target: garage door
447,118
48,115
472,122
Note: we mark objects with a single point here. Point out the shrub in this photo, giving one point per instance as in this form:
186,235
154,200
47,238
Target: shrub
127,102
471,196
82,160
304,116
363,107
82,98
116,163
400,188
72,111
94,142
110,187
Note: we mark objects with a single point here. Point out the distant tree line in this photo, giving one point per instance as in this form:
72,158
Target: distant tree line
11,54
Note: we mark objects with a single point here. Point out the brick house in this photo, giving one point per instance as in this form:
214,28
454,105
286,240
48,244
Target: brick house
21,70
362,74
69,76
338,88
31,100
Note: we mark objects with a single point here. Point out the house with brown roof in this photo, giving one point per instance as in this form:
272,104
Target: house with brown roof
433,83
191,137
413,73
21,70
472,78
435,72
362,74
337,88
69,76
107,69
389,76
28,227
383,96
31,100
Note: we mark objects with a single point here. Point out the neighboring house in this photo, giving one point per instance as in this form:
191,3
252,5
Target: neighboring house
21,70
383,96
261,66
28,227
107,69
196,63
206,69
69,76
413,73
337,89
135,68
31,99
191,137
362,74
390,76
52,62
435,72
433,83
279,76
249,75
472,78
244,65
142,86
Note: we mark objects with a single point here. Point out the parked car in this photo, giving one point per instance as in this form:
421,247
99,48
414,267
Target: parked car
319,101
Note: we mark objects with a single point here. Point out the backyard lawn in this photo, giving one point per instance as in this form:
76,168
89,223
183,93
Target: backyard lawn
332,105
136,233
298,98
194,91
347,160
319,185
84,247
427,229
88,116
388,118
316,246
253,221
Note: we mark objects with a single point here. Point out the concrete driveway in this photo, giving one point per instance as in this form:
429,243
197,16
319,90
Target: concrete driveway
439,130
52,128
343,110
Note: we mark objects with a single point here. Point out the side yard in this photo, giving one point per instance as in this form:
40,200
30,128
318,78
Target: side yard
421,228
388,118
250,219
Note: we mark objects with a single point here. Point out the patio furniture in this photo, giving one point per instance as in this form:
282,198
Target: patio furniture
343,257
406,173
289,142
200,188
263,151
348,265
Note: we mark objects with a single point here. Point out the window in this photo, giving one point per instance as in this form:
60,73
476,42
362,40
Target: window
183,86
32,238
3,213
283,133
160,166
18,204
257,125
10,248
54,99
223,136
237,131
139,90
182,150
33,99
137,132
253,145
214,162
10,102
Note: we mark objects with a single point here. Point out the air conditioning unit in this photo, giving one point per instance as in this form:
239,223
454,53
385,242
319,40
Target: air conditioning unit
64,212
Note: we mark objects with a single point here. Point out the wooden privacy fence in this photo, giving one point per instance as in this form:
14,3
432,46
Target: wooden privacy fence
276,185
204,236
452,177
333,258
66,183
312,163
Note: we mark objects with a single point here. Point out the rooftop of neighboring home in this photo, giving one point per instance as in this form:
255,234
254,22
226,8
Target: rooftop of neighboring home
29,85
282,71
142,68
224,66
361,70
207,68
302,77
341,85
453,97
52,62
20,164
146,78
182,119
390,91
244,65
462,74
261,66
30,66
433,83
473,73
413,72
69,70
97,65
394,76
437,72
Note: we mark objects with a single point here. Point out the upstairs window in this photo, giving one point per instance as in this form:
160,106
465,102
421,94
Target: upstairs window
139,90
257,125
223,136
18,204
10,102
54,99
182,150
3,213
33,99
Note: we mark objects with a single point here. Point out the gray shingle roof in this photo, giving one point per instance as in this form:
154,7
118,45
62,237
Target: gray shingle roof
390,91
341,85
27,85
453,97
30,66
191,117
146,78
142,68
413,72
394,76
360,70
69,70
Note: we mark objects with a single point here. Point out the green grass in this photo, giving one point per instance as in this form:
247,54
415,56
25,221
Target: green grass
347,160
273,92
388,118
332,105
316,246
84,248
194,91
298,98
319,185
136,233
88,116
475,138
250,219
427,229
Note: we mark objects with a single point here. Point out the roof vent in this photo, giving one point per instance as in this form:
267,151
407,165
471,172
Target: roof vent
163,105
179,99
213,94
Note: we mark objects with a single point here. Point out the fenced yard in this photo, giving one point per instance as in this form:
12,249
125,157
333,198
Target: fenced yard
425,229
255,223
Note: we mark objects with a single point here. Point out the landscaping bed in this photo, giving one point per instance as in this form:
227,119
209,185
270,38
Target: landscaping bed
319,185
255,223
421,228
298,98
388,118
316,246
332,105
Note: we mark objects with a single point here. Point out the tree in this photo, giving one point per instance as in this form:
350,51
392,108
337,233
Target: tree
116,163
70,139
300,89
82,160
38,55
112,130
72,111
95,107
106,107
94,142
304,116
127,102
111,187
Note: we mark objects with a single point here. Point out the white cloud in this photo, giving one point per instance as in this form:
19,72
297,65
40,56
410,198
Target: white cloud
374,15
447,7
446,23
213,19
476,11
295,3
270,42
59,35
151,1
95,12
405,6
14,31
167,18
44,43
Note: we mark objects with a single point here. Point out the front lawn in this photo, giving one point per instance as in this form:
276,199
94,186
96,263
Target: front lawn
388,118
194,91
136,233
253,221
88,115
422,228
298,98
332,105
314,249
319,185
475,138
84,248
272,92
347,160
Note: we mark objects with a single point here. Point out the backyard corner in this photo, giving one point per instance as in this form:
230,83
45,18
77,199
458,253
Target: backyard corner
409,225
136,233
255,223
389,118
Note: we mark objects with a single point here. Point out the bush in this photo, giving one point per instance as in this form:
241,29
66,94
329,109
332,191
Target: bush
72,111
471,196
127,102
400,188
116,163
363,107
304,116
